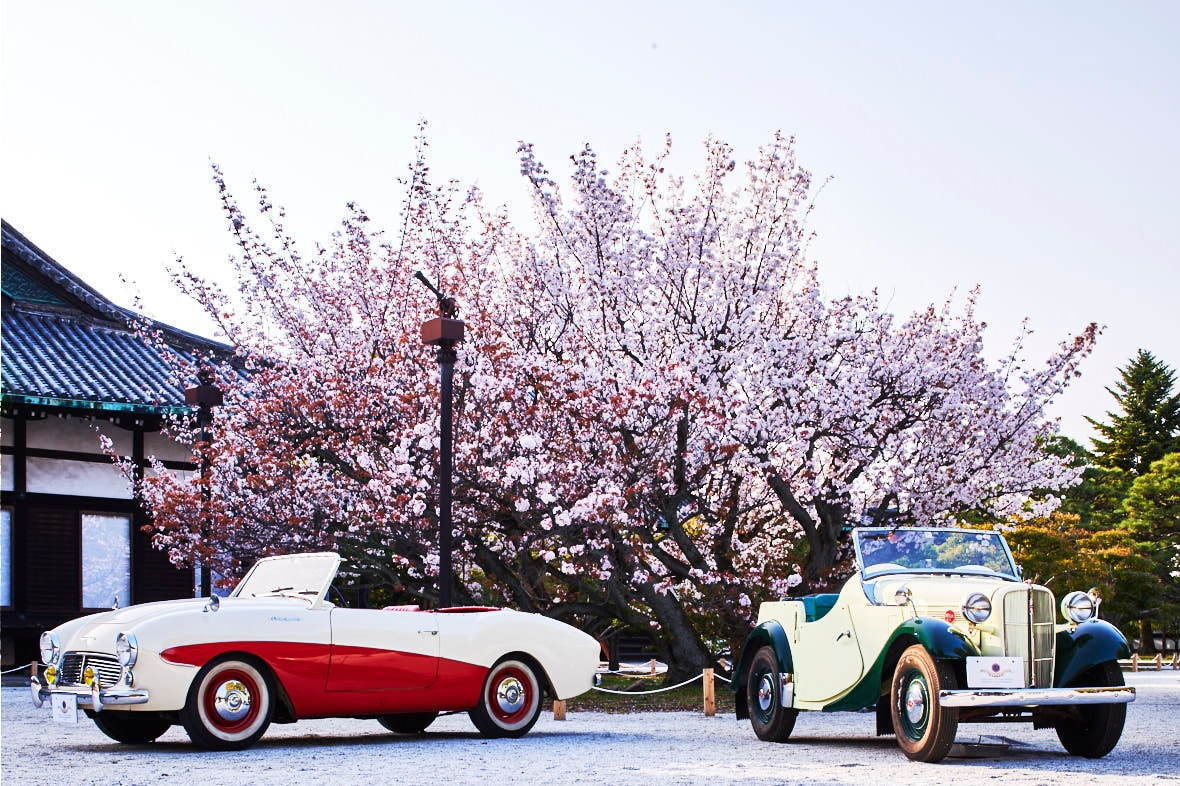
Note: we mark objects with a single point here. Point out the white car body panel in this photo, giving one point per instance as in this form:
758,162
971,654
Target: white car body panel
333,660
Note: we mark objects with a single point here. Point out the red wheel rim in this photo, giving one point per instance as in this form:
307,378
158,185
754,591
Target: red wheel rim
232,700
510,695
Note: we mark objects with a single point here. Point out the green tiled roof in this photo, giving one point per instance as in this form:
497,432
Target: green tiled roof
65,345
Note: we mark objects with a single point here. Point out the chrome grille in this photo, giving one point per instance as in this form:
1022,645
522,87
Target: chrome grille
1043,638
1028,633
106,668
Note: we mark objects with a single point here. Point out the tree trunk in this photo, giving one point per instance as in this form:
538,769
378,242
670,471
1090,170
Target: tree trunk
1146,637
824,543
683,650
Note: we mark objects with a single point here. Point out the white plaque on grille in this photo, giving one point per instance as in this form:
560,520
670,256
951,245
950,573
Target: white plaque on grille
65,708
995,672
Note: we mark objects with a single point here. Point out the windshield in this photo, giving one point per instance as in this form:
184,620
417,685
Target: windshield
880,551
300,575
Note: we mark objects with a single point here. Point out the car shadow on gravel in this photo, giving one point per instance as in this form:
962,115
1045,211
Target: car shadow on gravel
1020,755
880,743
184,747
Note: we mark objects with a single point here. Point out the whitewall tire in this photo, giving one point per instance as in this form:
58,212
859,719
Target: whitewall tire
230,704
510,703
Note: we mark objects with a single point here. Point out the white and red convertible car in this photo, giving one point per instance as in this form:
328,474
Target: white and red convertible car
277,650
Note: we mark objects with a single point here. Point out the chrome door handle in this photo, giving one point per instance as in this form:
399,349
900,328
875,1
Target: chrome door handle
431,632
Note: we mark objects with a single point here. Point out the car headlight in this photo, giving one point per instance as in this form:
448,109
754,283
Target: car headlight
126,649
1078,606
977,608
50,648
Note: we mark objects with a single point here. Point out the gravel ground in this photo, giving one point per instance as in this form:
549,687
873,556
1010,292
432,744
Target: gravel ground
590,747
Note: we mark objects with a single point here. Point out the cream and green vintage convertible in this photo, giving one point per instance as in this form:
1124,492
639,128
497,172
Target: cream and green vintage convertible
936,628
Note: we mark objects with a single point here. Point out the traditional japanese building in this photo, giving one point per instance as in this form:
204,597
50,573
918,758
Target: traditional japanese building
70,532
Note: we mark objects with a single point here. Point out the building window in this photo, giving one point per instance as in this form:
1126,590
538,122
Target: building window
5,557
106,560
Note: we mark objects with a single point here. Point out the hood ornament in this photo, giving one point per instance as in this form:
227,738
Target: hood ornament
115,602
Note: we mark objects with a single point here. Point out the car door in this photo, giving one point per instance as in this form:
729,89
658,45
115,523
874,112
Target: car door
827,656
378,650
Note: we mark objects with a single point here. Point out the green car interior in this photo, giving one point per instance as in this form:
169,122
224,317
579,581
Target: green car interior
816,606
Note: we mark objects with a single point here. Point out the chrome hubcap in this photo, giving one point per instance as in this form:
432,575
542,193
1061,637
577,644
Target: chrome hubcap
765,693
915,702
232,700
510,695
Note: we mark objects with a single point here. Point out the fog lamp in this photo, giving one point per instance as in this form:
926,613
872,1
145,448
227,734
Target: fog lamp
51,675
88,675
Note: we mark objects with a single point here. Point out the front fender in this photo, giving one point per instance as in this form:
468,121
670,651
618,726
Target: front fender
771,634
1086,646
937,636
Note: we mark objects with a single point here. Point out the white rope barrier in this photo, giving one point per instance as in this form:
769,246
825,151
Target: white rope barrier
22,667
646,692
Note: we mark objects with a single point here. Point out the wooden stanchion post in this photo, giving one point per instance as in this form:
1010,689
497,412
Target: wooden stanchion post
32,669
707,691
652,665
1159,662
558,710
1135,661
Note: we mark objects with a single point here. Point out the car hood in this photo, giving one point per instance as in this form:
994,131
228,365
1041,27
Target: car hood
97,631
936,594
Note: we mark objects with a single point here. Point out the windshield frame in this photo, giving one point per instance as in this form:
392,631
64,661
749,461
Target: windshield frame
313,600
870,574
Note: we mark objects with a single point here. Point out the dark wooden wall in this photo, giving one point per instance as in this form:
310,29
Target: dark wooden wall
47,553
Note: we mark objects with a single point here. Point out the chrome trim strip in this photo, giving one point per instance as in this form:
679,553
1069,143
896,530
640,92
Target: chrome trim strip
1036,697
86,696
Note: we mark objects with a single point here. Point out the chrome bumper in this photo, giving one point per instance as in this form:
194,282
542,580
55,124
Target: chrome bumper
92,697
1034,697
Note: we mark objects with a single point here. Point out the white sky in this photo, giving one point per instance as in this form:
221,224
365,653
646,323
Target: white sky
1031,148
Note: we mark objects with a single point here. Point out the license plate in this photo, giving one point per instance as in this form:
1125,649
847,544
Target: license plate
65,708
995,672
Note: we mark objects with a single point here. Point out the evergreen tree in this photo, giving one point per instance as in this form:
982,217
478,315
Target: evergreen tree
1147,425
1153,519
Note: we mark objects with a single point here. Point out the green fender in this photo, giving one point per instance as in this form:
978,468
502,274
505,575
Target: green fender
768,633
937,636
1084,647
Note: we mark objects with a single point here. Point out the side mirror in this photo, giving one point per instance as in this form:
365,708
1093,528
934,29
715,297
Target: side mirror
902,597
213,605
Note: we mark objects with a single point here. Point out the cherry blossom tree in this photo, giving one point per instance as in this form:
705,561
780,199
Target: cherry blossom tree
661,419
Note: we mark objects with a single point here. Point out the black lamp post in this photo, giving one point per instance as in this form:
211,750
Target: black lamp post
205,397
444,332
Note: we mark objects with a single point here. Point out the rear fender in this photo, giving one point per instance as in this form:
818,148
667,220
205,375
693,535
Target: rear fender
770,634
